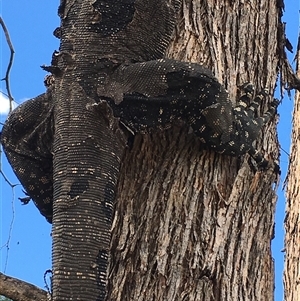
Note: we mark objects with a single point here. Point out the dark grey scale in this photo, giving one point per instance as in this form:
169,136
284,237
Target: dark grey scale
113,17
142,115
109,193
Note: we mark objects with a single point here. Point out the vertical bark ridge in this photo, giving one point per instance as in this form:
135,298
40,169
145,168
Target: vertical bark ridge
220,35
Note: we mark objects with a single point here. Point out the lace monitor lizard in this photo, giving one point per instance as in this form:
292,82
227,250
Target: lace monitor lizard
192,94
140,87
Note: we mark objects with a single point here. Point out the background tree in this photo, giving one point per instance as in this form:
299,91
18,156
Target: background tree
224,191
292,239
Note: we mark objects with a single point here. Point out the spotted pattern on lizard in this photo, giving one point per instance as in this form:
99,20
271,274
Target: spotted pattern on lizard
181,91
189,92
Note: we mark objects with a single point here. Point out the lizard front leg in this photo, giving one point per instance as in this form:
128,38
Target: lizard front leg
155,93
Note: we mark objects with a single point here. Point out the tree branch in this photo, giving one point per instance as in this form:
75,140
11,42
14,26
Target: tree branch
19,290
12,52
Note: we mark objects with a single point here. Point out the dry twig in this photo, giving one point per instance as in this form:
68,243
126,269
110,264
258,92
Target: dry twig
12,52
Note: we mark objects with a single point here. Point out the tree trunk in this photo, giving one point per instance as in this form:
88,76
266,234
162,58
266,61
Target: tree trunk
191,224
292,238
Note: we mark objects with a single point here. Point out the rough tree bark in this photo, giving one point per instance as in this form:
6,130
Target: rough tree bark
191,224
292,238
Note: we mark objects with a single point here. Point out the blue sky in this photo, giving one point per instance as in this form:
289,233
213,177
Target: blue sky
28,254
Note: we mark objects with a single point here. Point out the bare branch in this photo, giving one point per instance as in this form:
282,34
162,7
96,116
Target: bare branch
19,290
12,52
7,180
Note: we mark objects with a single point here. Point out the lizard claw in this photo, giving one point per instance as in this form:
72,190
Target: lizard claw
247,87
